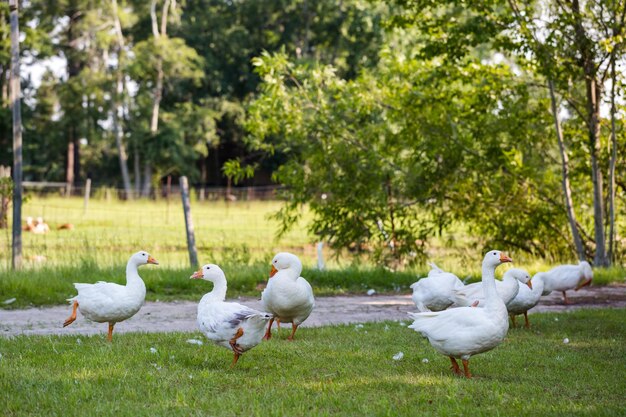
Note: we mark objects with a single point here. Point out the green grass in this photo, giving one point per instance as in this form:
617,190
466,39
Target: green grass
51,286
336,371
110,231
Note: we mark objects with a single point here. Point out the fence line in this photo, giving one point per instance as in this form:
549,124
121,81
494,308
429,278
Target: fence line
201,193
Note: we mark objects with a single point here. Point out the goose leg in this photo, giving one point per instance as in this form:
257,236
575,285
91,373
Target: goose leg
513,320
236,348
294,327
475,303
565,300
455,366
527,324
466,368
71,318
268,333
110,336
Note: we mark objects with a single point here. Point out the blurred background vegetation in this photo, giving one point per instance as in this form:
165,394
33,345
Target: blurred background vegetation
390,129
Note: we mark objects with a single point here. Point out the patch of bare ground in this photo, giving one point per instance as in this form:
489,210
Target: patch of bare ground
181,316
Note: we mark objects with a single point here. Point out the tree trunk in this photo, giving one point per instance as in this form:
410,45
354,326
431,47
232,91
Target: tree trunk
611,253
593,105
158,89
593,90
567,191
118,107
137,169
147,179
69,170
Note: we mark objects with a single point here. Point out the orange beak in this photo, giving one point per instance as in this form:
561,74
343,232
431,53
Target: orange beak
504,258
151,260
273,271
584,284
197,274
530,285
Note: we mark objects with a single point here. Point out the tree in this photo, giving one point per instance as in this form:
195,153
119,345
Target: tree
389,159
567,43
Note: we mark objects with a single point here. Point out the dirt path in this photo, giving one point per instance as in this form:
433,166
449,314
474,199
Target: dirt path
181,316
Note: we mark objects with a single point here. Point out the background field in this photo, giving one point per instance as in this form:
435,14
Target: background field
343,370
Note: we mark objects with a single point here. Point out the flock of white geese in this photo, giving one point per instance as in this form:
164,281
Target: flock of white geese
458,320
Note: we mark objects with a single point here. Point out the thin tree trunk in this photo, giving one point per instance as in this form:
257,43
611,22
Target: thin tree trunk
73,69
600,258
137,169
69,170
610,254
147,179
567,191
16,97
118,109
586,61
158,89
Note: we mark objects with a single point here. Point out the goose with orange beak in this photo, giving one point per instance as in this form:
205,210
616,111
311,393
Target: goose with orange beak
288,296
460,333
107,302
231,325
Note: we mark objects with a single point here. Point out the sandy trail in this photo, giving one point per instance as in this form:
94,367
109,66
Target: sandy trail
181,316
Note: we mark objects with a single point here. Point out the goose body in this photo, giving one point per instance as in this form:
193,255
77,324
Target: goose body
436,292
567,277
507,289
231,325
288,296
462,332
107,302
526,298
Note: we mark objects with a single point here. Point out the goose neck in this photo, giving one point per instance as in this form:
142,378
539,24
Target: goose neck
219,289
489,284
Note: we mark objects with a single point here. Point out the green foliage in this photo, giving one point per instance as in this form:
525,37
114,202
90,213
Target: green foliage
403,151
335,370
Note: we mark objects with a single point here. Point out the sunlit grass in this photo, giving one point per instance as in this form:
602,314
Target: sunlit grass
108,231
340,370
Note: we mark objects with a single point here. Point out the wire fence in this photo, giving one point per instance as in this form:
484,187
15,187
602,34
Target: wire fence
106,230
199,192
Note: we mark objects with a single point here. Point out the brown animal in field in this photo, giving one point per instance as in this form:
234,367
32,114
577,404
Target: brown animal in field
66,226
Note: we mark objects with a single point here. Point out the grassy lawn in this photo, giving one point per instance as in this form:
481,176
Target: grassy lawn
111,230
344,370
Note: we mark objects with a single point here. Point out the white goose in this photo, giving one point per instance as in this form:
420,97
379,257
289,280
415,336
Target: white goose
474,294
460,333
288,296
567,277
436,291
526,298
234,326
107,302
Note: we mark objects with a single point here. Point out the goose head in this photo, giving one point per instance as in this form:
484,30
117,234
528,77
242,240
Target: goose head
142,258
209,272
286,260
520,275
493,258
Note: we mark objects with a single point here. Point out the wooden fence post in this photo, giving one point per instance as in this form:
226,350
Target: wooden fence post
191,239
87,193
16,96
